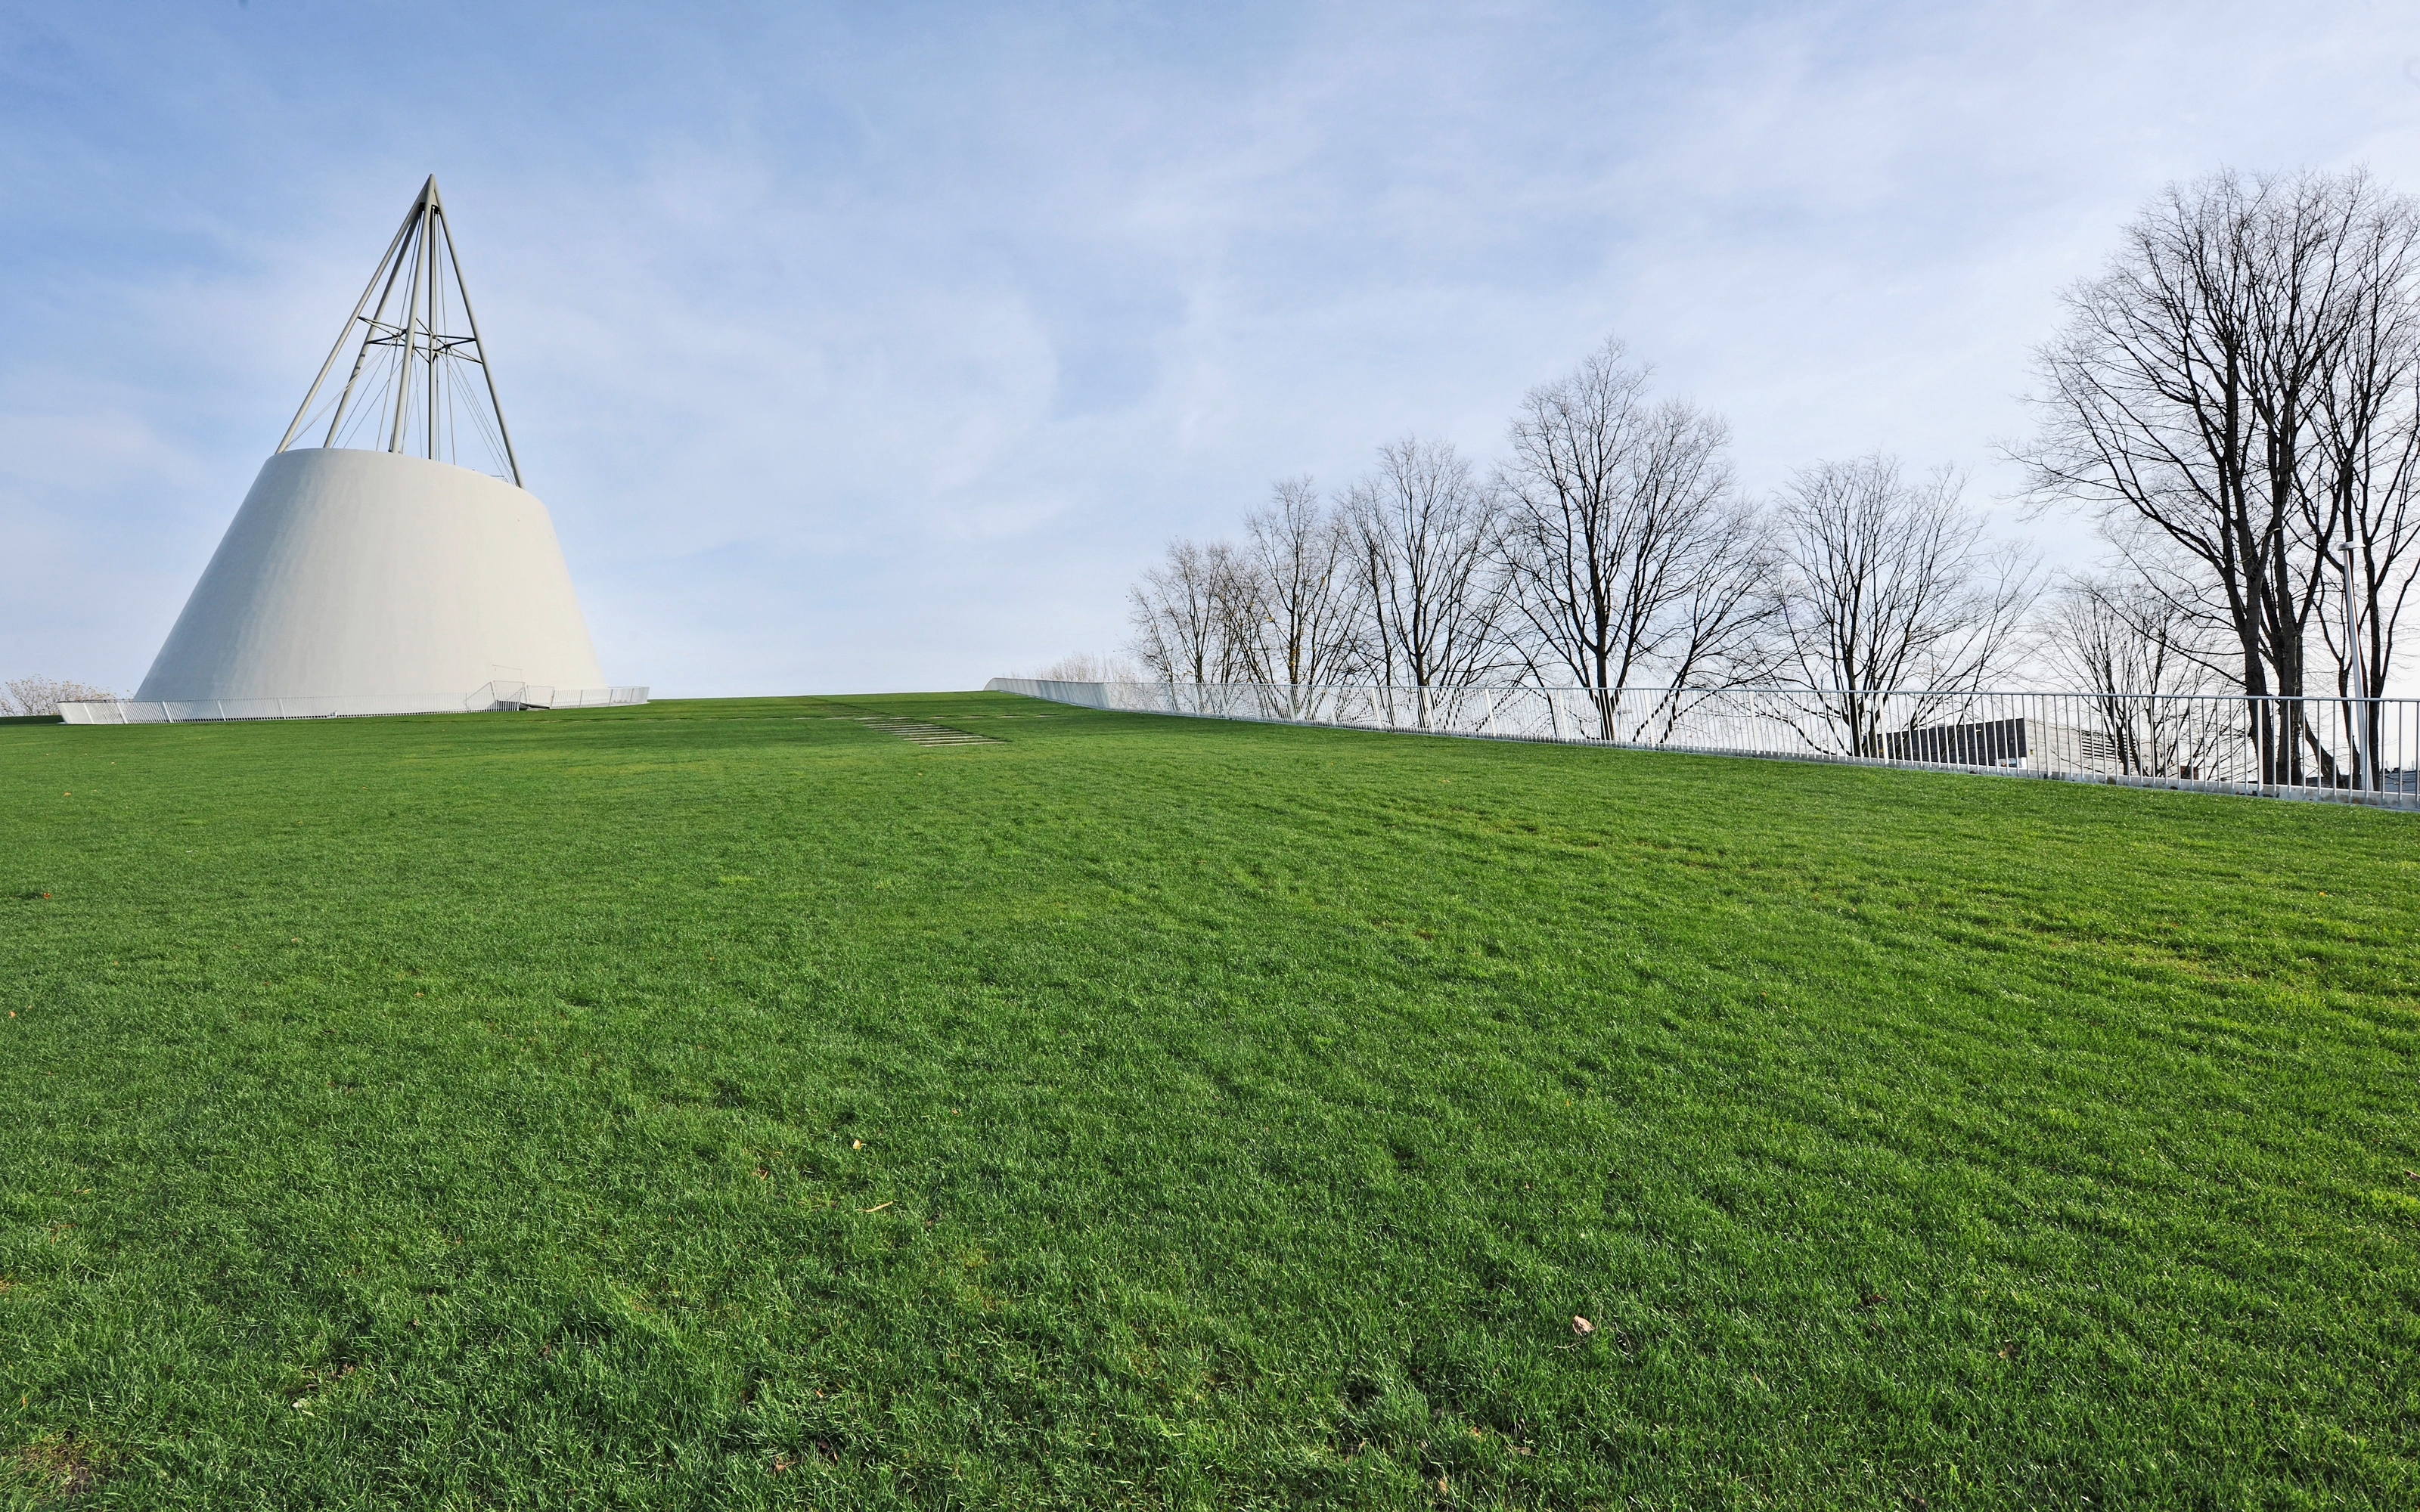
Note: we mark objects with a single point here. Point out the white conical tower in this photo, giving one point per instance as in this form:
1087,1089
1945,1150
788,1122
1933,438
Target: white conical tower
371,570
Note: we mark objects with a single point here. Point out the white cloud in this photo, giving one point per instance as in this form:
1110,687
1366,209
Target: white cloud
858,349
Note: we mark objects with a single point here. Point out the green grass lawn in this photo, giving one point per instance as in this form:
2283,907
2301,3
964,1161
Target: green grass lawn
726,1105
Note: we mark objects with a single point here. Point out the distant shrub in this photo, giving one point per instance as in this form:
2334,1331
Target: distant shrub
1085,668
21,696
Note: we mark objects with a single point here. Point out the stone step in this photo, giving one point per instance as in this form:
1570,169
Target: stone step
917,733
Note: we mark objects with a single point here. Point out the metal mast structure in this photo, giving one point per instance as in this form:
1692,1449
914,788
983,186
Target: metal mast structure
409,389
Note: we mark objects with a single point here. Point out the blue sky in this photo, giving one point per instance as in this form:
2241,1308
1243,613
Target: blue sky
880,346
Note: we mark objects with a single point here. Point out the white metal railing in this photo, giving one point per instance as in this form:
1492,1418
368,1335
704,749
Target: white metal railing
2344,750
206,711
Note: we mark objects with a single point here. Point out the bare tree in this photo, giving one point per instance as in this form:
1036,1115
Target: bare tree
1304,592
2206,384
2137,656
1626,548
1887,587
2364,524
1242,596
2110,633
24,697
1182,615
1424,537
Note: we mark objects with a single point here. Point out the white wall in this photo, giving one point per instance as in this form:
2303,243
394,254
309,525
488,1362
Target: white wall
352,573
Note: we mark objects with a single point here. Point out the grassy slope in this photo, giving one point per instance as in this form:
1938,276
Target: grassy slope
718,1104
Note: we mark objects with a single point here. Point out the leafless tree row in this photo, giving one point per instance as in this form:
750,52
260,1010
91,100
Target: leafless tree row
1611,549
2235,400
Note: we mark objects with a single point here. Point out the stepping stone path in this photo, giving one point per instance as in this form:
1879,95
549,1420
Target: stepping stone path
915,731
